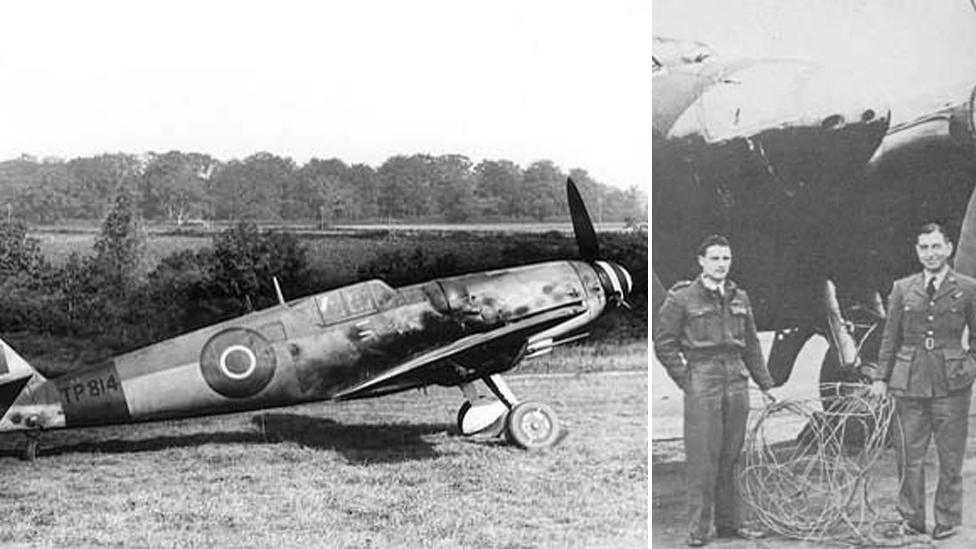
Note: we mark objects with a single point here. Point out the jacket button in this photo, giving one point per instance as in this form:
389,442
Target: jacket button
931,318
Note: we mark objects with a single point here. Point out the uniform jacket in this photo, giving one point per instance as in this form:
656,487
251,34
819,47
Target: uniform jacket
695,324
921,350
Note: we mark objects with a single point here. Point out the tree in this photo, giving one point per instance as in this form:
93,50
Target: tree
329,188
453,187
19,253
364,182
174,185
120,250
543,184
94,180
499,187
245,260
405,186
253,188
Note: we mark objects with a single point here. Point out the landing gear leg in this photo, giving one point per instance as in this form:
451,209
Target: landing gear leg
498,386
851,356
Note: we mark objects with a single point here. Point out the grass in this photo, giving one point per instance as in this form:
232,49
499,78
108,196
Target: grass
56,247
589,358
376,473
339,255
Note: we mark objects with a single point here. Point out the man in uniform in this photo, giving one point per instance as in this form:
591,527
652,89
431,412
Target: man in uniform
923,365
705,336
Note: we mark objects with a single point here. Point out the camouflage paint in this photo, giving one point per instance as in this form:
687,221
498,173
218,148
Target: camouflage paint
318,346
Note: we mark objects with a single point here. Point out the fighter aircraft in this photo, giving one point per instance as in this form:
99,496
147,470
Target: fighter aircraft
358,341
819,183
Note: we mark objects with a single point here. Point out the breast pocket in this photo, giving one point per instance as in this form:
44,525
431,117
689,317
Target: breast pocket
913,303
740,315
957,312
960,368
704,325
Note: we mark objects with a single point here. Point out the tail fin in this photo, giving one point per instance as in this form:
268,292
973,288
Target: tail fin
13,366
15,374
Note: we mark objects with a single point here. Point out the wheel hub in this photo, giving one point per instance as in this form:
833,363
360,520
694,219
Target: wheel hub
536,425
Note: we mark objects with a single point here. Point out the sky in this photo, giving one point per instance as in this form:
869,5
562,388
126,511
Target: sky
907,48
522,80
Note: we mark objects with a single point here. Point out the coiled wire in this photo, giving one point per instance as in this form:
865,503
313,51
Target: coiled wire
818,486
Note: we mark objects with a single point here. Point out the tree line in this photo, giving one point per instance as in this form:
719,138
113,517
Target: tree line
177,186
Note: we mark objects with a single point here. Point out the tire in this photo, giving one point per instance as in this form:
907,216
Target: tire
532,426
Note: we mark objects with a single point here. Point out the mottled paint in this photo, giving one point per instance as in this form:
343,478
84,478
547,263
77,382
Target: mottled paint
318,348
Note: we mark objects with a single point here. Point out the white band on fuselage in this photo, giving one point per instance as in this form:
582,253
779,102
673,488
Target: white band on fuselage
247,371
610,272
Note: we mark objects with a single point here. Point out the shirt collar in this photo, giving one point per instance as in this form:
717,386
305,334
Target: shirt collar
939,276
710,284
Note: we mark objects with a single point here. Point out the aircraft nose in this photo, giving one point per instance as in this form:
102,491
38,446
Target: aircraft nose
616,281
792,118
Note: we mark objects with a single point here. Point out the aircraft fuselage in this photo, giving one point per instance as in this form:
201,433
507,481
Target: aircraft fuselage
322,347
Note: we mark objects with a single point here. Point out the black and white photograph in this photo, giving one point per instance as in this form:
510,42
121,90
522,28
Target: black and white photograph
813,225
304,274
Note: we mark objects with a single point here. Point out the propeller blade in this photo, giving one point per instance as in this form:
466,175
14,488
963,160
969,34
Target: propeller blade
589,248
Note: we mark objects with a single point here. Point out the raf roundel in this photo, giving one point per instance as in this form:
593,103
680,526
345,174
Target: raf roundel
238,362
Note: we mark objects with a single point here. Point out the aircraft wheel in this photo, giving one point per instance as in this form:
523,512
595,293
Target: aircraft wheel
532,425
28,451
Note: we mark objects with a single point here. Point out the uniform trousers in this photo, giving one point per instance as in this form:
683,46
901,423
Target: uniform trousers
946,419
716,410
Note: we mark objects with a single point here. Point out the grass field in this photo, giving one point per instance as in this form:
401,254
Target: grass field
375,473
340,255
56,247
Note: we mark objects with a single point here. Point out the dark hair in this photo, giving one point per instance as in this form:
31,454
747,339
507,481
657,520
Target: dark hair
932,227
712,240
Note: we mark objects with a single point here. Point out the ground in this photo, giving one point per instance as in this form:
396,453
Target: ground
668,504
385,472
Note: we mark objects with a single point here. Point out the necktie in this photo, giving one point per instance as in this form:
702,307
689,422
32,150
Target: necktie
931,288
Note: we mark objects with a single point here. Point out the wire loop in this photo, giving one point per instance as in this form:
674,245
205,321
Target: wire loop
818,486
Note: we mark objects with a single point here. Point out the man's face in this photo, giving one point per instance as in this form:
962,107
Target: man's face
933,250
716,262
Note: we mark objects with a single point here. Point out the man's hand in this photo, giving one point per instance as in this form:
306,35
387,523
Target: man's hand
878,389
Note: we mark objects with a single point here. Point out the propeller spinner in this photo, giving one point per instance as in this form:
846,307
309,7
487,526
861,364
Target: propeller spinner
617,282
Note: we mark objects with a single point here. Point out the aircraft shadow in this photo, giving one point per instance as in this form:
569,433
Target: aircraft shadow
357,443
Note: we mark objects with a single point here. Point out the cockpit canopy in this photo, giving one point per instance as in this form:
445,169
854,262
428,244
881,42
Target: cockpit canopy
354,301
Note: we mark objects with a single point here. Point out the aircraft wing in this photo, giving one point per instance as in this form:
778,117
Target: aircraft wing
924,171
533,323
